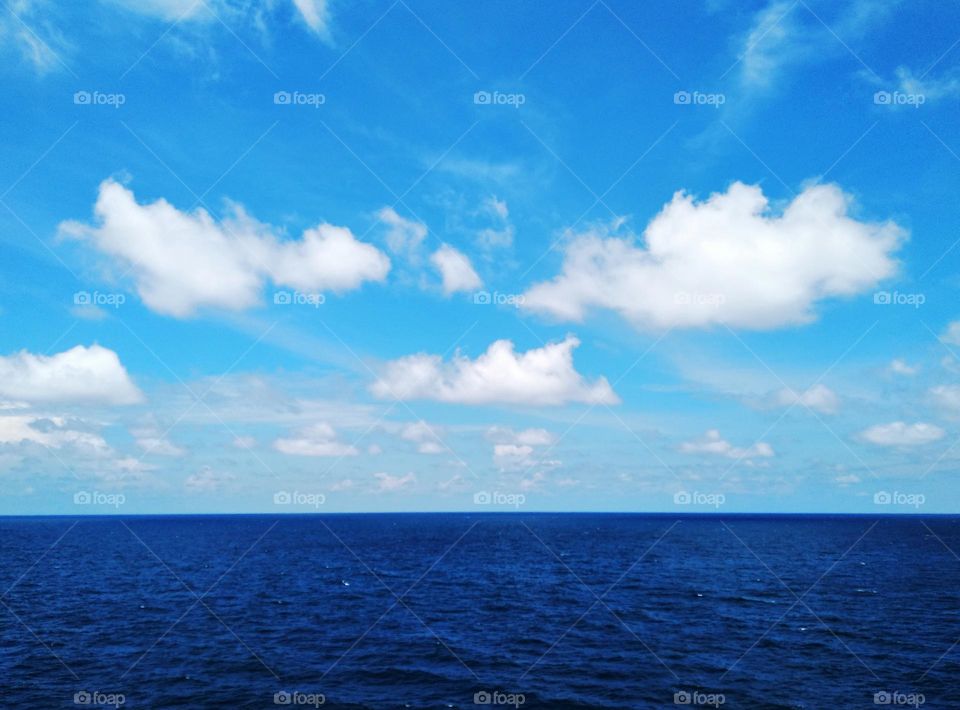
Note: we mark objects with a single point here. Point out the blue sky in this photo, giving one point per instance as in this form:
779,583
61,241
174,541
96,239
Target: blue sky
377,256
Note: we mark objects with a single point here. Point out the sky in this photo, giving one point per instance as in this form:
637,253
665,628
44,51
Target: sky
315,256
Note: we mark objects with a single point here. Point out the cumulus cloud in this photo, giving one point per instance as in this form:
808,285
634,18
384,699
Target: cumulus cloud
182,261
88,375
727,260
819,398
902,434
455,270
712,444
516,449
541,376
316,440
389,484
424,436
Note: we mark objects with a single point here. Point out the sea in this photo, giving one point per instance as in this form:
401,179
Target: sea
461,610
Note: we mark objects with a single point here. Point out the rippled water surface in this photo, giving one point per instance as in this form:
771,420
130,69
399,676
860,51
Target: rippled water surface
426,611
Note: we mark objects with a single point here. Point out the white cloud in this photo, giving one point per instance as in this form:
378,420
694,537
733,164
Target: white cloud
455,269
404,236
902,434
51,432
932,88
388,484
316,14
951,336
947,396
541,376
507,456
819,398
769,43
528,437
184,261
316,440
726,260
89,375
901,367
27,29
711,443
207,480
499,236
342,485
182,10
152,441
847,479
424,436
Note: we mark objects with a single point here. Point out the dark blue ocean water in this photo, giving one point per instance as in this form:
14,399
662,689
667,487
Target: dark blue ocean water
426,611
